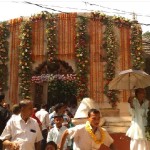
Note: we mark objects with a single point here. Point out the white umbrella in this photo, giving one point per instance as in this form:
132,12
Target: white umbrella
130,79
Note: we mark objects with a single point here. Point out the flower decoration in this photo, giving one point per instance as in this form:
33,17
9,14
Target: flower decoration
136,46
4,34
147,130
121,21
51,32
50,77
82,56
110,46
62,88
116,20
99,16
25,61
43,15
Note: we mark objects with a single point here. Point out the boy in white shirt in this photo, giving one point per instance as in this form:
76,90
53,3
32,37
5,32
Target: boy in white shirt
55,134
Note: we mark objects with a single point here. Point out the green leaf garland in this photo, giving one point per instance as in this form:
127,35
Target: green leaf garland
82,56
52,36
25,60
110,46
136,46
4,35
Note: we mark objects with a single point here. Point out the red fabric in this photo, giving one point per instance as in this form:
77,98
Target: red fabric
37,119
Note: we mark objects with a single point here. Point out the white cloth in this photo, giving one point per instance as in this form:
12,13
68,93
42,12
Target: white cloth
43,116
139,145
85,105
139,120
25,133
83,140
55,135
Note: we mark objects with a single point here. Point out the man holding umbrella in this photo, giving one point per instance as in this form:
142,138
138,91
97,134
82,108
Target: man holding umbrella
138,109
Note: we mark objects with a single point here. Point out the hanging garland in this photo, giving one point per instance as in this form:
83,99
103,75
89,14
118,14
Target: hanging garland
116,20
82,56
88,128
4,34
50,77
51,32
121,22
110,46
136,46
42,15
25,61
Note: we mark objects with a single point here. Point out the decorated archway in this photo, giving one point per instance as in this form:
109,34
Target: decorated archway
54,82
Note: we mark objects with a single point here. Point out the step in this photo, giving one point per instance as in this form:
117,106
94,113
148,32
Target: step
118,124
116,129
118,119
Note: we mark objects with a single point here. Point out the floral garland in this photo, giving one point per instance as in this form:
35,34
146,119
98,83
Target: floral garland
147,129
25,60
51,32
82,56
89,130
136,46
43,15
111,47
4,34
121,21
50,77
116,20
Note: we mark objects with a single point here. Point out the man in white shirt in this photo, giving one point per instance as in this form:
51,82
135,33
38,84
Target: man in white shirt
22,132
43,116
89,136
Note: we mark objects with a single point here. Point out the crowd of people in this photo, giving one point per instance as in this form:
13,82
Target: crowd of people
32,127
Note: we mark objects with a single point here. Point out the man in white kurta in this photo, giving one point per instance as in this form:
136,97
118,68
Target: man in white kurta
138,109
83,139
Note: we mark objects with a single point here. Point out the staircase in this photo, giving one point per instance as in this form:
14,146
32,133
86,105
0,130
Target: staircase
117,124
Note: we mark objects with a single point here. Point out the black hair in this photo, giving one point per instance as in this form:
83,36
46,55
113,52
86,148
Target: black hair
52,143
2,96
58,116
15,109
58,106
44,106
93,110
138,90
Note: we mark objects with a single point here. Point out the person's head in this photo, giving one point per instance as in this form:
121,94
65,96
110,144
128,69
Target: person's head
58,120
69,113
2,97
51,146
44,106
94,117
26,107
6,105
16,109
140,93
59,108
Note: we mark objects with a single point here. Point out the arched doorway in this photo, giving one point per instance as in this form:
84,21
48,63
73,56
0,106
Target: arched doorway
62,88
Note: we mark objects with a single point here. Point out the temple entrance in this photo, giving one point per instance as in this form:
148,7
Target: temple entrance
54,82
